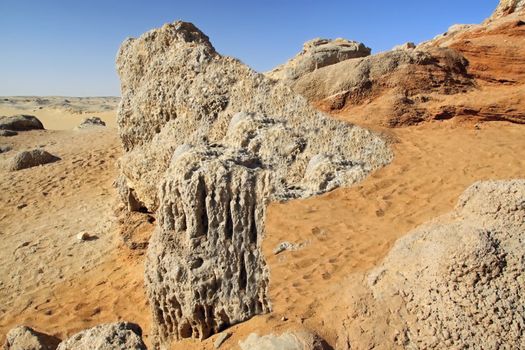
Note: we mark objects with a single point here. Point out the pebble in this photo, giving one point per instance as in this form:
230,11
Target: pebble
83,236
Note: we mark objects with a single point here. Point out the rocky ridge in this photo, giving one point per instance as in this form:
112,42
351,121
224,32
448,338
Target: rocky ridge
208,143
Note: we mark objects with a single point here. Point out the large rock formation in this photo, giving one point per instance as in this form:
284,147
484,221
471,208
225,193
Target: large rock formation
208,142
318,53
400,79
456,282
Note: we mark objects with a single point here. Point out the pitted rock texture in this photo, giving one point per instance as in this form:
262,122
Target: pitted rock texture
26,338
457,282
111,336
209,142
318,53
91,122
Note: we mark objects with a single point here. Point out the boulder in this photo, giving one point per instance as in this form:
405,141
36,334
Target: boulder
5,148
300,340
318,53
457,281
21,122
28,159
121,335
8,133
208,143
26,338
91,122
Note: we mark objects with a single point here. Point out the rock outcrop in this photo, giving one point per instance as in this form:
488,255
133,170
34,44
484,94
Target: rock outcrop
318,53
91,122
456,282
300,340
31,158
507,7
20,122
400,79
26,338
208,143
121,335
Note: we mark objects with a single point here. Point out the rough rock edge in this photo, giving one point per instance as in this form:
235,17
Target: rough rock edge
187,130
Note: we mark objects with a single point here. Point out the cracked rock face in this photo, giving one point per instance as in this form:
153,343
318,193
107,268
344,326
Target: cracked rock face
208,143
507,7
457,282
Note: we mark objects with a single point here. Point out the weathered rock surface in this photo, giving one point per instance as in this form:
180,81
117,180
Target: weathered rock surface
209,142
300,340
121,335
384,76
8,133
507,7
26,338
456,282
31,158
5,148
91,122
405,46
318,53
20,122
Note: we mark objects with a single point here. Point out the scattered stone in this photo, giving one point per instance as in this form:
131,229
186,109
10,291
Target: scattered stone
28,159
318,53
121,335
8,133
300,340
21,122
5,148
221,339
91,122
26,338
282,247
21,206
208,160
83,236
284,318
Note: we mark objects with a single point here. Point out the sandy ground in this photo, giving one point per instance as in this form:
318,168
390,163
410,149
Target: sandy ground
61,113
52,282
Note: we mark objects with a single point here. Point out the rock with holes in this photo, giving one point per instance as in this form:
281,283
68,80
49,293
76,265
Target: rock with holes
208,143
26,338
456,282
31,158
121,335
21,122
318,53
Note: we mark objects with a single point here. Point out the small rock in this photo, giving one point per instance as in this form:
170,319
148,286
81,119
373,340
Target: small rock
83,236
8,133
405,46
25,338
121,335
21,122
91,122
284,318
4,148
21,206
221,339
28,159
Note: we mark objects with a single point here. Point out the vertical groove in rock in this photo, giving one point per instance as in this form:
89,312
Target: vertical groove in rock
209,142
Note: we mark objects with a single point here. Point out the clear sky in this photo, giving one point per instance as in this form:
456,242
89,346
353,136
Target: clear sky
59,47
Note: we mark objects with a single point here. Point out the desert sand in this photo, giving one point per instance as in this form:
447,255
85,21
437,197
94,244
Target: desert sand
54,283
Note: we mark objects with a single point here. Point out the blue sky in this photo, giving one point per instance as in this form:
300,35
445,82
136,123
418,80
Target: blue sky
59,47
